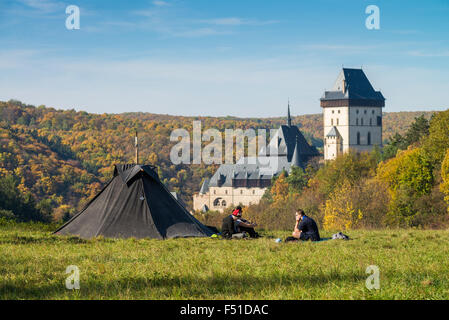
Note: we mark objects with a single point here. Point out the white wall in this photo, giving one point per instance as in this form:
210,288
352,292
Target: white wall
348,121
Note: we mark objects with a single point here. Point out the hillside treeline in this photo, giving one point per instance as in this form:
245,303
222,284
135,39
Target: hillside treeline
53,161
406,185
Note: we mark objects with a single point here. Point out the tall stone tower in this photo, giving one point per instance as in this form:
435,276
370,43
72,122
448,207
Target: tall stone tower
352,113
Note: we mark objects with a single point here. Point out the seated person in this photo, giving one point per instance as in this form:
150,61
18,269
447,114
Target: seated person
242,225
234,227
305,228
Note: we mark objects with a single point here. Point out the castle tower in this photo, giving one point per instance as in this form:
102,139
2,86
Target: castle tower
352,113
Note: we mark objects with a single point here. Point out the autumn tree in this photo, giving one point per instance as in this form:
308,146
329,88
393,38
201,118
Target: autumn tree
444,187
436,143
340,212
409,176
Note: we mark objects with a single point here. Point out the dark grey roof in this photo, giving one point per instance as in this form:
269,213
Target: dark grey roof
289,118
287,143
333,132
285,140
226,172
205,186
296,159
358,87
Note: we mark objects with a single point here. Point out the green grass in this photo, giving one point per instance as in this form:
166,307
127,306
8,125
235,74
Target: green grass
413,265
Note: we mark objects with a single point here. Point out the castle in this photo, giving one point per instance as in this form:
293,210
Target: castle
246,181
352,113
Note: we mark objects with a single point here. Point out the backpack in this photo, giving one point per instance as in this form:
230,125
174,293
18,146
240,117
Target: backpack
340,236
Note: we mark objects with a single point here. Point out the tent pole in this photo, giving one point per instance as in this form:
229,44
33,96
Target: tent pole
137,150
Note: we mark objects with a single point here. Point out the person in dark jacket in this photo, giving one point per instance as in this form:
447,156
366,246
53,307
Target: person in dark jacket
305,227
234,226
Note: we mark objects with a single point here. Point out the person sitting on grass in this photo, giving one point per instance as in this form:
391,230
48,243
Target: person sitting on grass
305,228
234,226
242,225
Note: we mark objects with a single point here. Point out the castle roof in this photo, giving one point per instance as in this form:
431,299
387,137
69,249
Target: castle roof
352,84
285,140
296,159
333,132
288,147
246,169
205,186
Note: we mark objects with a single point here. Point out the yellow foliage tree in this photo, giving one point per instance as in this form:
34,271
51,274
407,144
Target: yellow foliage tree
279,190
339,211
444,187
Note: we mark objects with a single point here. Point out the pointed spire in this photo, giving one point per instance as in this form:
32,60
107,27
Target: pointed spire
205,186
289,118
296,160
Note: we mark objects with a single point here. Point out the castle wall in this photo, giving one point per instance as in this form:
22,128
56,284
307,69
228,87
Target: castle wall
220,198
351,121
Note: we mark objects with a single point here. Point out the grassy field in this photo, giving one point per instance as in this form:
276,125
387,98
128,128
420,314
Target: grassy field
413,265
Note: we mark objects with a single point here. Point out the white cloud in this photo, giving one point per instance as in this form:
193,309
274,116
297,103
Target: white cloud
234,21
160,3
145,13
429,54
44,6
239,87
200,32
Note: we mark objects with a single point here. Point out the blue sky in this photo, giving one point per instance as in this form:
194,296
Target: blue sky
220,57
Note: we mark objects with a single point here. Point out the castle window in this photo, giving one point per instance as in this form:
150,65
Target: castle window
358,138
241,191
226,191
254,191
372,112
357,111
217,202
338,122
333,111
332,122
215,191
362,121
339,111
370,121
369,138
364,112
357,121
223,203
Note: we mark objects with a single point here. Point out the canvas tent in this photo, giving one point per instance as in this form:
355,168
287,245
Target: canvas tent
136,204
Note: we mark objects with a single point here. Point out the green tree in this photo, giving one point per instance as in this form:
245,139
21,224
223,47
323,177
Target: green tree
444,187
409,176
418,129
297,180
21,206
436,143
350,167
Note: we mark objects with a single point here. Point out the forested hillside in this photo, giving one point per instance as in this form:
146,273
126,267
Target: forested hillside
55,160
405,185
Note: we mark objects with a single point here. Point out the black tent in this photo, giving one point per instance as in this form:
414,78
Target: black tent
135,203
